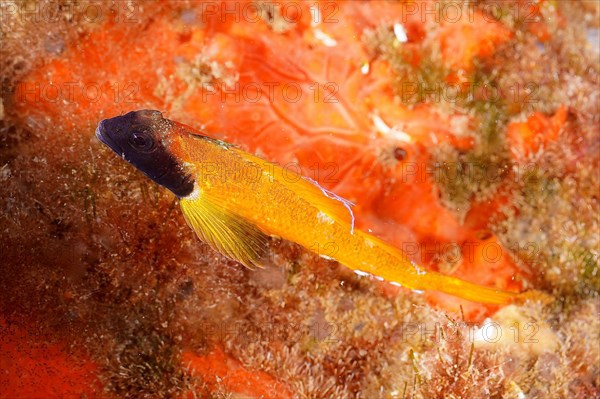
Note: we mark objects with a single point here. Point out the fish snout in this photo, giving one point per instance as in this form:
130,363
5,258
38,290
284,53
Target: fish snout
104,135
100,130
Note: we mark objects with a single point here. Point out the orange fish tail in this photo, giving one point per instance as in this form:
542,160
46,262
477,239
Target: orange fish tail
466,290
393,265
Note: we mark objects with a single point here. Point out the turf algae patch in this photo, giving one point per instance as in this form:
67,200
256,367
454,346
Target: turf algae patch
83,265
558,213
555,206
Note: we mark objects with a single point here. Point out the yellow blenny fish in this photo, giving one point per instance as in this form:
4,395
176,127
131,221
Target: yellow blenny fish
235,201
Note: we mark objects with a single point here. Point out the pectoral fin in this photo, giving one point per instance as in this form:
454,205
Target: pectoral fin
225,231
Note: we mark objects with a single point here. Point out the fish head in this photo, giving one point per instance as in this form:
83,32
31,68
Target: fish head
143,139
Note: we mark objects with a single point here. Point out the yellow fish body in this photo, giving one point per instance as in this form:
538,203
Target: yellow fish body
234,201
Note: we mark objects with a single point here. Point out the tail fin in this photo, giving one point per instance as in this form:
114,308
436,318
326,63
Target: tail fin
401,270
469,291
478,293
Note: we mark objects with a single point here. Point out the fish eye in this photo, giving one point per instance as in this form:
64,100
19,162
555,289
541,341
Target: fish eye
141,141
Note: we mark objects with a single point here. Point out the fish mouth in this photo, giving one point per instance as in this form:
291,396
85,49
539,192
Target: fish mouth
161,175
106,139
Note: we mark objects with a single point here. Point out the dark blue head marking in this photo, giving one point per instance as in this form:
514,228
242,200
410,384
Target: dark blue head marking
141,138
